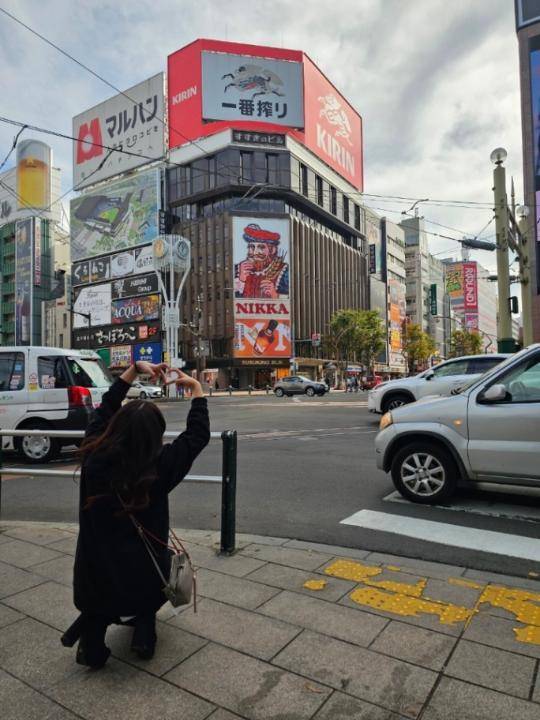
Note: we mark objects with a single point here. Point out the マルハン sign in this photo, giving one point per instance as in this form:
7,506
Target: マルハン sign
131,122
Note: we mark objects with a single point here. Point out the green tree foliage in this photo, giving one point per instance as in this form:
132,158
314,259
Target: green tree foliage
355,335
418,346
370,338
464,342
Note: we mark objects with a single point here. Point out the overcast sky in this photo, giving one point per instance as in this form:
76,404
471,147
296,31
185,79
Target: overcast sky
436,82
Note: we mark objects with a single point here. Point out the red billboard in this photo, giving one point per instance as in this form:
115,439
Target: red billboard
215,85
470,287
333,129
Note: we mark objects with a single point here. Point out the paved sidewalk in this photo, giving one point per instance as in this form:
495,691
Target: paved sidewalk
285,630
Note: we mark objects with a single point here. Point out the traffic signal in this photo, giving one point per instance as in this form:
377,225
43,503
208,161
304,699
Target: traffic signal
513,304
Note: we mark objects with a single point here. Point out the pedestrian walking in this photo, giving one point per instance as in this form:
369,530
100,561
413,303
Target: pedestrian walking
355,383
127,473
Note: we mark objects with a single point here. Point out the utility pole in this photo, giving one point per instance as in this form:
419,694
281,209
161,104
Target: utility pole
524,250
505,342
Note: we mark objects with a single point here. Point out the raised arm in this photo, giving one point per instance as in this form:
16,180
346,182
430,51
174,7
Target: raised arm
177,457
113,398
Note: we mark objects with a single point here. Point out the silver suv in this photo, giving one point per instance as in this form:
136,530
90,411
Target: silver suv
488,433
442,379
299,385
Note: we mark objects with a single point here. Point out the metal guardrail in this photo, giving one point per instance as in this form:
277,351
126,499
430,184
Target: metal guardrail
227,478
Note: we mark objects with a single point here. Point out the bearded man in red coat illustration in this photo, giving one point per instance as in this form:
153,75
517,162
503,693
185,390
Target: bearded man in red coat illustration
264,273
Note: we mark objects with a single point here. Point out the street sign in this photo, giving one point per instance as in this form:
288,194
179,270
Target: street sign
171,317
433,299
372,259
315,339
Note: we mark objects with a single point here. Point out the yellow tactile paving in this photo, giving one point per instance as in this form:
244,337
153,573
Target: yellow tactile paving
407,599
465,583
315,584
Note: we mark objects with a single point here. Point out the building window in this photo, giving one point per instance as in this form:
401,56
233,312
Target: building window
61,340
333,200
64,320
319,189
357,217
345,209
246,167
303,180
272,168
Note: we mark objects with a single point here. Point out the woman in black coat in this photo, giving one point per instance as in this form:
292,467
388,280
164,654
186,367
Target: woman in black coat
126,470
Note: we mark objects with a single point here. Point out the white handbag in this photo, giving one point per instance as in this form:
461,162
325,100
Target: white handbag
182,582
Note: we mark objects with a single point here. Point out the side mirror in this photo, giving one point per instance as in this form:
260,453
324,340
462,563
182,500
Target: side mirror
495,393
429,375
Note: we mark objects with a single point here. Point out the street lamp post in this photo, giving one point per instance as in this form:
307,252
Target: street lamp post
505,342
171,254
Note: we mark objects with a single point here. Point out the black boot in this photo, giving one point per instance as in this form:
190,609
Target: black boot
144,636
92,650
73,633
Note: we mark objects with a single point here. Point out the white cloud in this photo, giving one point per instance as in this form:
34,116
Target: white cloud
436,82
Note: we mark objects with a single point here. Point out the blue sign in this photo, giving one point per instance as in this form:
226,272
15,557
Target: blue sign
151,352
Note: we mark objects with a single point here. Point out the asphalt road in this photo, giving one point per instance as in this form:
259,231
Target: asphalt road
304,465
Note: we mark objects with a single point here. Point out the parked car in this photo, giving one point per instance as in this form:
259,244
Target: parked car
44,388
142,391
368,382
487,433
299,385
442,379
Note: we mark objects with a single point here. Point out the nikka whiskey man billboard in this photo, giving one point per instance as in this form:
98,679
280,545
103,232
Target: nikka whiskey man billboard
262,306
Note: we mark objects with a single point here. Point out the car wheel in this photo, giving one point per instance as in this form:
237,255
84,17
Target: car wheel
394,401
279,392
38,449
142,395
310,392
424,473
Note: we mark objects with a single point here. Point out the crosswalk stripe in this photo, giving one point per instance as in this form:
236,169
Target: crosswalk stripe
488,541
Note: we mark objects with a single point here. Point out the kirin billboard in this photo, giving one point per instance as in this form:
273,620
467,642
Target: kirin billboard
214,85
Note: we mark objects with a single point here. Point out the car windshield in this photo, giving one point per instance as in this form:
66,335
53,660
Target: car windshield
494,370
89,373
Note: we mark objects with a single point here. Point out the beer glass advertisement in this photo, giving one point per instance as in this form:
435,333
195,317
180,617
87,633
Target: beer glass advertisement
135,309
262,306
116,216
244,87
94,304
23,281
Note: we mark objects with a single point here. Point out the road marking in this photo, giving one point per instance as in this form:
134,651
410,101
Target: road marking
496,543
480,506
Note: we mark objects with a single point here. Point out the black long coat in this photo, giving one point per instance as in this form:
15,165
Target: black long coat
114,575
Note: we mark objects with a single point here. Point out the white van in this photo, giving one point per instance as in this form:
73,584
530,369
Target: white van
48,388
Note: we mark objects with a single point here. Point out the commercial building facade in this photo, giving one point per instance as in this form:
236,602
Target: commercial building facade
263,177
324,251
528,33
30,221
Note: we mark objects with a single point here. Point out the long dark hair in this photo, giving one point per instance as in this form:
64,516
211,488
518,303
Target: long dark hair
129,447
